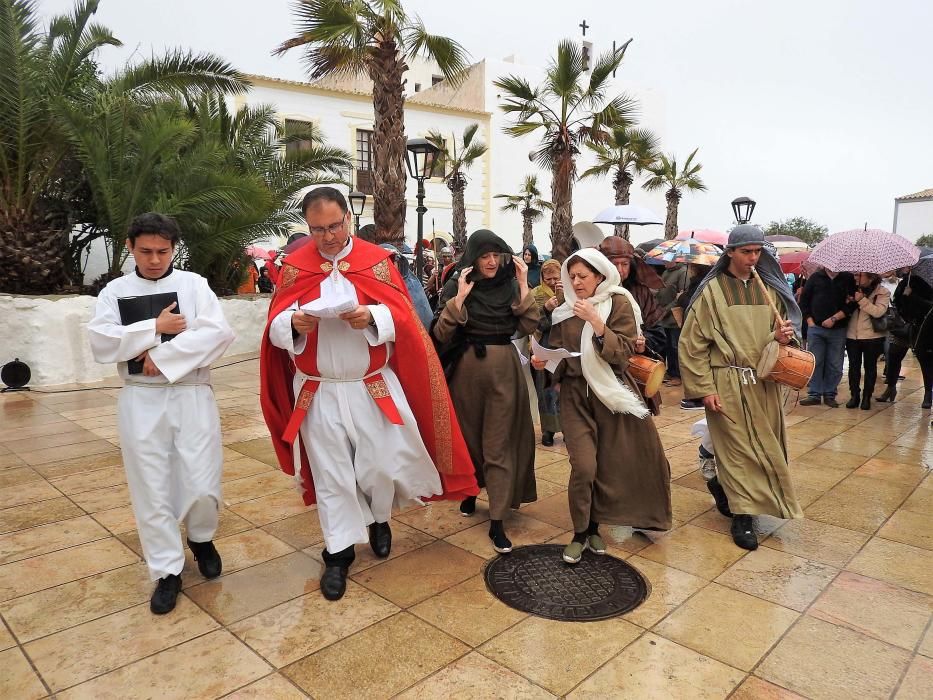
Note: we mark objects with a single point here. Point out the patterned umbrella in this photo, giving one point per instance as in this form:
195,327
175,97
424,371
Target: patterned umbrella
687,250
871,250
924,269
707,235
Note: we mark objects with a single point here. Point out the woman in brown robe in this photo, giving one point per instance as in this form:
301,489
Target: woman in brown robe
480,310
619,473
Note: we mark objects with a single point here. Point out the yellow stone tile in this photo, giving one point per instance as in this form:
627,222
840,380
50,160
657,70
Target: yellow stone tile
694,480
713,520
404,539
859,503
24,544
18,680
558,655
817,541
54,609
117,520
821,456
76,655
820,660
14,477
874,608
294,629
557,473
622,539
756,689
920,501
88,481
716,622
469,612
694,550
103,499
521,530
544,457
906,455
267,509
206,667
910,528
918,681
260,449
420,574
654,668
29,492
6,638
9,460
245,466
909,474
299,531
781,578
418,650
819,477
475,676
249,591
689,503
49,570
554,510
55,454
900,564
442,518
669,588
273,687
257,485
80,464
56,439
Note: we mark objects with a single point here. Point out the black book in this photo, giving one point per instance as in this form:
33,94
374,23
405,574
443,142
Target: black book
142,308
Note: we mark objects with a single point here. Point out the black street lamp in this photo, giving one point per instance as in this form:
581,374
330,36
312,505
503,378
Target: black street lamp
743,207
421,158
357,205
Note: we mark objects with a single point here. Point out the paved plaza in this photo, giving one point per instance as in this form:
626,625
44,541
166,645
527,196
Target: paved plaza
834,606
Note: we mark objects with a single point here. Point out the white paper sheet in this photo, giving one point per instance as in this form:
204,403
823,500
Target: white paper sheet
552,357
518,347
331,307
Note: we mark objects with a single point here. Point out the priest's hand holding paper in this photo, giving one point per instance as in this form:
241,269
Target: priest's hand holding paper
303,322
168,323
359,318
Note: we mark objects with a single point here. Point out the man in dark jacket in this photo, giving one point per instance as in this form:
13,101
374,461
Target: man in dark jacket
826,303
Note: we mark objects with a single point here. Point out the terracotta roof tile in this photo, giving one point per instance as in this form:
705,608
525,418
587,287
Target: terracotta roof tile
922,194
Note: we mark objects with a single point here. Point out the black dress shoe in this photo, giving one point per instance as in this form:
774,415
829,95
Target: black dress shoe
830,401
811,401
889,394
547,438
166,593
743,532
866,402
468,506
722,502
853,401
334,582
927,400
207,557
380,539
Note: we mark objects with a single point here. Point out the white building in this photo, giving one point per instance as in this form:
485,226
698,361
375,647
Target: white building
913,214
344,112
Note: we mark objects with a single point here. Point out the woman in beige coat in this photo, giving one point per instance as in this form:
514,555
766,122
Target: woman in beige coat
863,342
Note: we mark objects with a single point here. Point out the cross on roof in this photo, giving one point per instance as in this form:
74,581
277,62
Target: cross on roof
584,26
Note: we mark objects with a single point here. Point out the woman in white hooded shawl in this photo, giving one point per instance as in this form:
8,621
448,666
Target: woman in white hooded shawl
619,473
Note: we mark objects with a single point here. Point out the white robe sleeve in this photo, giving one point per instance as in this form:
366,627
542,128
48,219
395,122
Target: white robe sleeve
281,335
110,340
384,332
207,337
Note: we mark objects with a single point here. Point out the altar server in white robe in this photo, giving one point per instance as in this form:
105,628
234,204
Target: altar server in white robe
169,426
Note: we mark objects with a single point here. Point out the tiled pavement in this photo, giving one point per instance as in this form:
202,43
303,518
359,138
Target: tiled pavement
834,606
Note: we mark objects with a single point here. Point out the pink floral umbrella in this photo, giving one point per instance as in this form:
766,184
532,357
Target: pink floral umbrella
871,250
706,235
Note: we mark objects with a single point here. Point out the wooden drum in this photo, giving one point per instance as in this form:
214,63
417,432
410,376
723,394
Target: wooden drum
647,372
786,365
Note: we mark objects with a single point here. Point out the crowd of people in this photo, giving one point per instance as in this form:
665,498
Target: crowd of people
384,390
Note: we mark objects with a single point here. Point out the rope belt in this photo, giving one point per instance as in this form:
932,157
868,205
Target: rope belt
163,385
747,374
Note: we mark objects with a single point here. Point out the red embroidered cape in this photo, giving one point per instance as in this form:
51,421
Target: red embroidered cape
414,361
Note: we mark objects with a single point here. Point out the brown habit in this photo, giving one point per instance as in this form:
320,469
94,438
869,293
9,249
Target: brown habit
619,473
491,399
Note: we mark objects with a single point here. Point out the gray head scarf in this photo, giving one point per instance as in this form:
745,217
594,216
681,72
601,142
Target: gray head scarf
768,269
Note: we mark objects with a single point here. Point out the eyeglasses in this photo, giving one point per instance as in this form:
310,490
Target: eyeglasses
333,228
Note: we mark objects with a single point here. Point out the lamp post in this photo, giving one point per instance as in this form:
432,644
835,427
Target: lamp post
357,205
743,207
421,159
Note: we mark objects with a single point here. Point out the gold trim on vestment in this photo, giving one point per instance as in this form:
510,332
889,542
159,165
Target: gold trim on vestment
378,389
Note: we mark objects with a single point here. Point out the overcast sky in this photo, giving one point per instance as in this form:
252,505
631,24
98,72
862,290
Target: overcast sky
813,108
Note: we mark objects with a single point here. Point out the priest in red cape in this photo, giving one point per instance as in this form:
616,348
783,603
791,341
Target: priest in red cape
353,392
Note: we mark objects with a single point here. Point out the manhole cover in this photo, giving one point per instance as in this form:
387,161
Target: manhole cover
536,579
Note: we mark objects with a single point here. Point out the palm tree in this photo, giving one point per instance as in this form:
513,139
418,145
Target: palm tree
624,153
457,158
665,175
528,201
570,108
375,37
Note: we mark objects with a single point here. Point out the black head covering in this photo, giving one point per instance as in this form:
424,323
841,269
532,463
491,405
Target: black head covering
768,269
489,304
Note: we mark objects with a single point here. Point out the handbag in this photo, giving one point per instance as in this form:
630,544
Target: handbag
890,322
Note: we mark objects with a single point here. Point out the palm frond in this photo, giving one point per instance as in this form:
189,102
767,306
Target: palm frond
327,22
603,69
180,72
563,73
451,58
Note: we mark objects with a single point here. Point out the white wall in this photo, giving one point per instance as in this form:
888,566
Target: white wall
913,218
339,115
49,333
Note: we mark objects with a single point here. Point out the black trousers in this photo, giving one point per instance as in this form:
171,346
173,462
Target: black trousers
344,557
896,355
869,351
